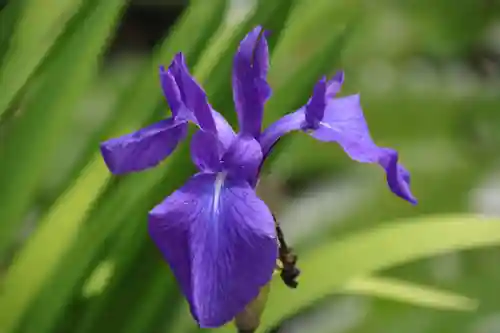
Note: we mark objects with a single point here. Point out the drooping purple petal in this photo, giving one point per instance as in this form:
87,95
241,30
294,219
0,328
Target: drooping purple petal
250,88
398,178
345,124
145,148
335,84
234,251
243,158
169,227
232,244
172,94
315,108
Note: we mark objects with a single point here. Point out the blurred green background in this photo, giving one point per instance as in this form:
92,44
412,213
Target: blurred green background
74,251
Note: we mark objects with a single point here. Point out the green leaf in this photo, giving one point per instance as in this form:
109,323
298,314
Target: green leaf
61,282
157,305
394,290
409,293
136,263
366,252
9,16
36,260
69,259
303,54
183,322
129,257
142,290
99,279
37,132
36,31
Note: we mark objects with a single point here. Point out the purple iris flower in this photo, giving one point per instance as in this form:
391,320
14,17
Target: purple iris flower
217,235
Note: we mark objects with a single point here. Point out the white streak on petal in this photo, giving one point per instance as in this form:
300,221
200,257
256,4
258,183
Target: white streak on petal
219,182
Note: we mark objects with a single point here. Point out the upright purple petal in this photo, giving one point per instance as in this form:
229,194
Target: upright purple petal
145,148
175,69
250,88
217,135
208,148
335,84
307,117
232,244
315,108
243,158
195,98
225,132
171,92
345,124
179,72
206,151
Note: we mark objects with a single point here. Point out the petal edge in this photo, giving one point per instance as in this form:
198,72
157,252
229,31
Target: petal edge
144,148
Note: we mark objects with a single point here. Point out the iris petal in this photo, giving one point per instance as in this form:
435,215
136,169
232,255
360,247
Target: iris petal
250,88
291,122
216,134
172,94
243,158
225,132
145,148
307,117
335,84
232,244
195,98
345,124
315,108
169,227
205,158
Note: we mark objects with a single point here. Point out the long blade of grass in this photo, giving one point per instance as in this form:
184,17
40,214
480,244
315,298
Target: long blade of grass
409,293
367,252
47,114
36,31
397,290
9,16
37,131
303,55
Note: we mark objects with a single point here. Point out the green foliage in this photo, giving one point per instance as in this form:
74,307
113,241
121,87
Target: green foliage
88,264
358,255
